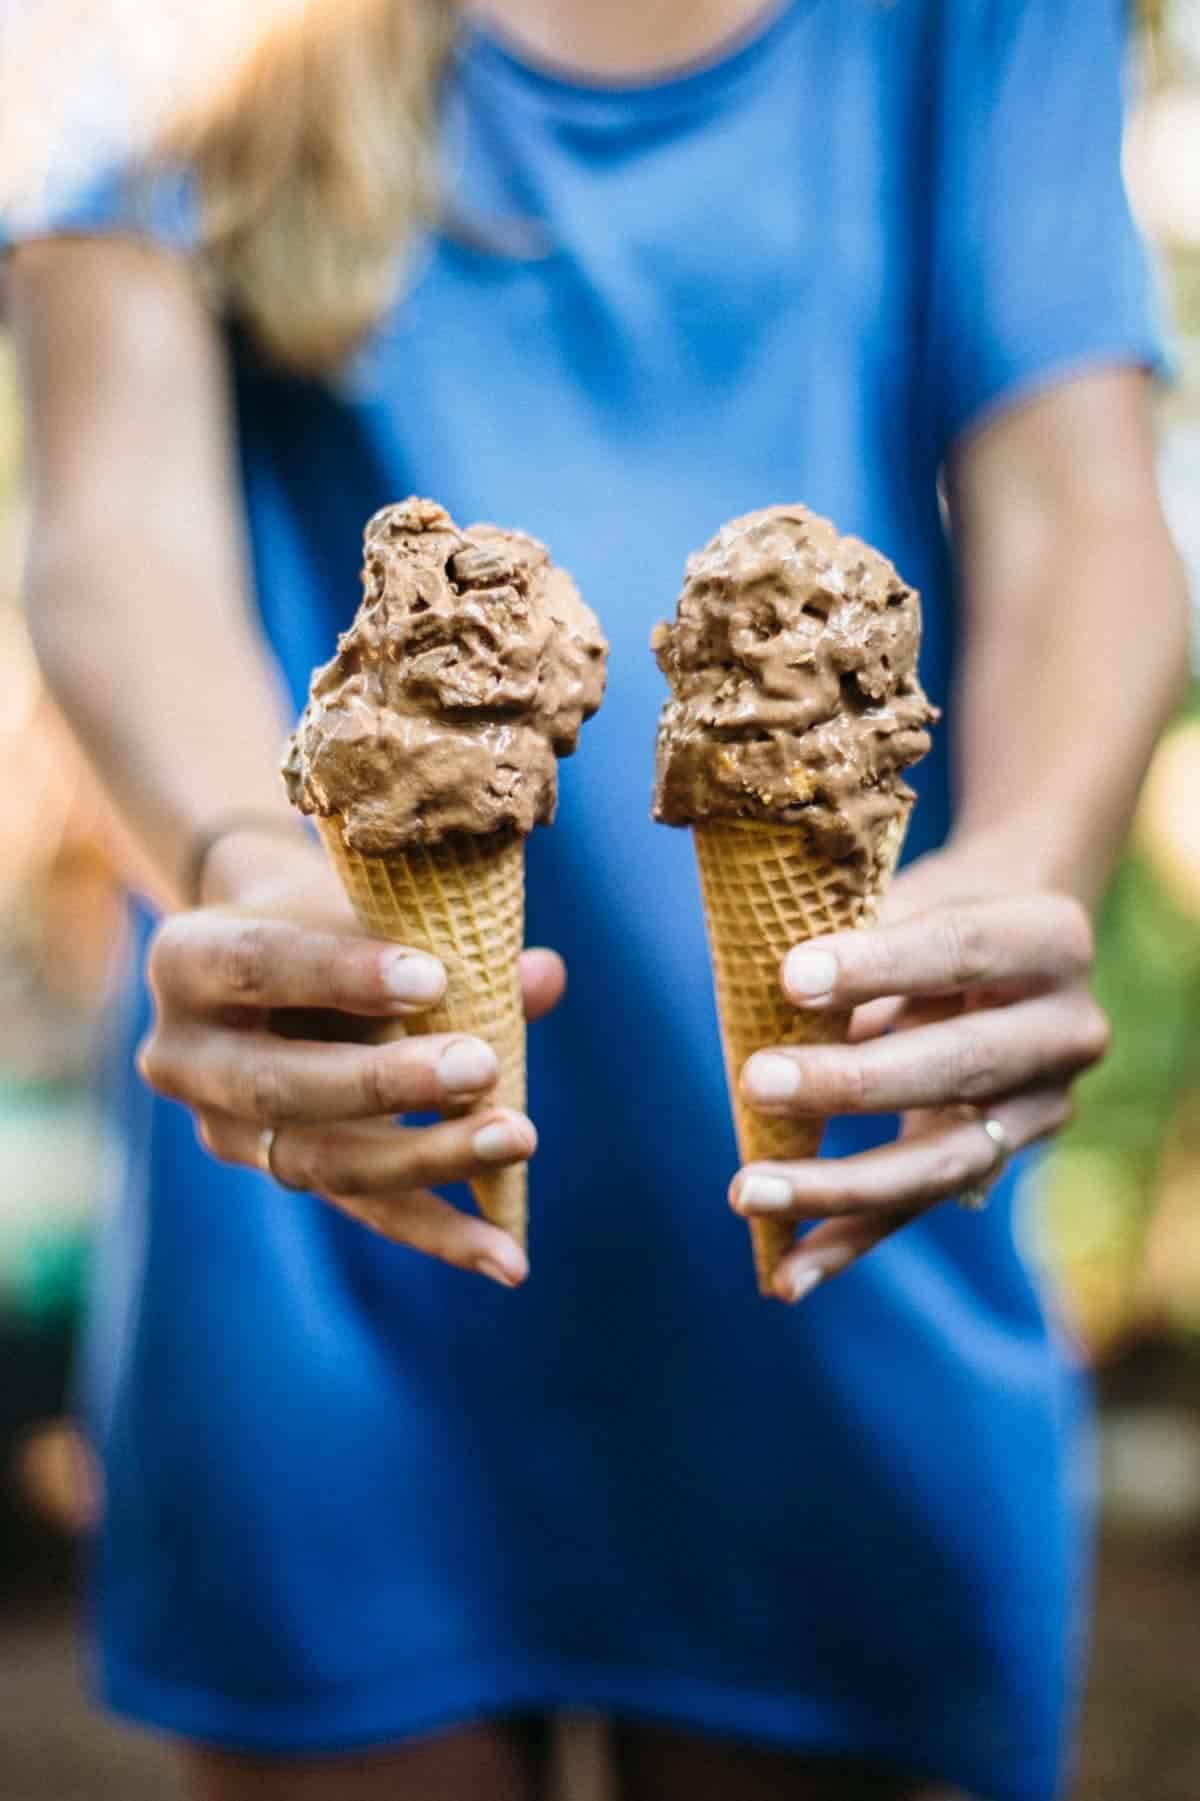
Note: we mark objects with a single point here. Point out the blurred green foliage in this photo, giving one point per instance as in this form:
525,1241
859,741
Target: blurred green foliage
1102,1186
1148,980
1119,1197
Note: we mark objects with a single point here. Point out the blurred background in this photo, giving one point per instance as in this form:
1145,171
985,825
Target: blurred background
1114,1211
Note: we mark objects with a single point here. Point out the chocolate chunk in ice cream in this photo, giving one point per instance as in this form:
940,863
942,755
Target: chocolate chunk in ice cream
794,697
467,673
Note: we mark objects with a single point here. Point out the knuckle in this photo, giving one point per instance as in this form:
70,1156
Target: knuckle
350,977
244,965
965,951
867,963
949,1170
167,949
1094,1033
848,1189
853,1084
340,978
158,959
325,1165
972,1067
265,1092
376,1084
419,1165
213,1135
156,1067
1074,931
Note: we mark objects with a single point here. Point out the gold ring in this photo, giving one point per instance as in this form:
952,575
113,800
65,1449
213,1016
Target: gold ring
976,1198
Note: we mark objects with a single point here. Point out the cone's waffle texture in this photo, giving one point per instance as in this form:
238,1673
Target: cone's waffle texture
764,892
464,902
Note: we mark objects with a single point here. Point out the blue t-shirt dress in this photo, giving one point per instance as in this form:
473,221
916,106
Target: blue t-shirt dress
354,1495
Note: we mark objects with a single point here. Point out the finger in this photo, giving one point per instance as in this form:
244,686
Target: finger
968,1059
543,980
428,1224
900,1013
415,1217
1036,941
362,1161
271,1081
831,1248
874,1018
208,961
912,1172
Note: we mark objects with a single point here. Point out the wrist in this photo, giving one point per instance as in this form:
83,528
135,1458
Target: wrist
1019,856
243,854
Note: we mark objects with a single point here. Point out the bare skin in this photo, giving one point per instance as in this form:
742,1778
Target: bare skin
633,38
972,995
984,953
501,1762
505,1762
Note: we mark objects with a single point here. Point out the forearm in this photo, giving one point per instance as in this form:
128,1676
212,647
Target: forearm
176,705
136,583
1076,637
1062,700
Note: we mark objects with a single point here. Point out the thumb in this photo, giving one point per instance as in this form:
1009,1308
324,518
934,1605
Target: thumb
543,980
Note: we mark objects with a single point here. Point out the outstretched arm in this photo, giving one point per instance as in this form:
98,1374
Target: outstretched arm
1075,653
136,583
1077,631
139,606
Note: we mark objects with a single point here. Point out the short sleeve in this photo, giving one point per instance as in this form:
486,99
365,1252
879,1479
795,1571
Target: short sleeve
1038,269
158,205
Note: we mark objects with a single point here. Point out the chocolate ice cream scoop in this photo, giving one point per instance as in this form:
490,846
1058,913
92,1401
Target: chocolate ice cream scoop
794,692
467,673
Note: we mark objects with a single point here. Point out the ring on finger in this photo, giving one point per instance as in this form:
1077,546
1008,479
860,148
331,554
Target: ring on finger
267,1140
975,1198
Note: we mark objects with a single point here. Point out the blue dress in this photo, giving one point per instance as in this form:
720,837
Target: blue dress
354,1495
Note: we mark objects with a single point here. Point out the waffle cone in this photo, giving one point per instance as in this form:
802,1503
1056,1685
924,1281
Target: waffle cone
764,891
464,902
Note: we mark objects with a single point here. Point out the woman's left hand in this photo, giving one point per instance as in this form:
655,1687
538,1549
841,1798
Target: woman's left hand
966,1009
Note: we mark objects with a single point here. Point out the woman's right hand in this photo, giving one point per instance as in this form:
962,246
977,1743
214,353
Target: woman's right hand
266,1016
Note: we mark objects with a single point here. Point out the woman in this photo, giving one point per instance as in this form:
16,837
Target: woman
369,1517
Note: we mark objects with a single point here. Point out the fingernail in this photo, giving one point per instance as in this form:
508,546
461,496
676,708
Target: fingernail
414,977
495,1272
801,1282
771,1078
466,1066
502,1141
809,975
761,1194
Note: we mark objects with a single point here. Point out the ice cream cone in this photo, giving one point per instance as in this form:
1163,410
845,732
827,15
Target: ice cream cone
428,751
764,891
462,900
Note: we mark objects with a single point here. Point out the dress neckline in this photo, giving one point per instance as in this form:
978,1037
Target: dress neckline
669,89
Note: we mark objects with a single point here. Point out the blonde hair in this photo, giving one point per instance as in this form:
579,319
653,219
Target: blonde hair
316,167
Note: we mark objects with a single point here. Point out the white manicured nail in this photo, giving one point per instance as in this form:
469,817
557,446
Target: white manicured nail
808,975
501,1141
761,1194
771,1078
466,1066
415,978
494,1272
802,1282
